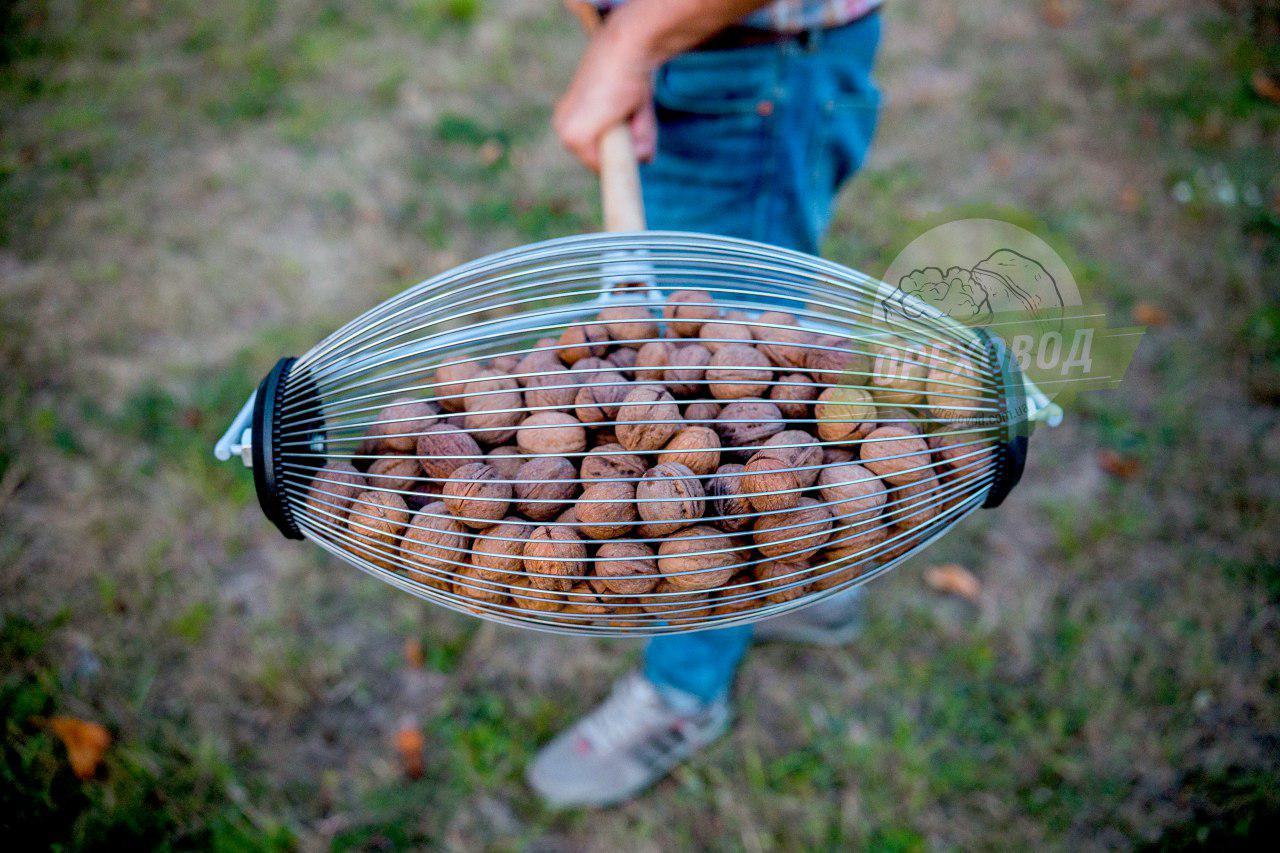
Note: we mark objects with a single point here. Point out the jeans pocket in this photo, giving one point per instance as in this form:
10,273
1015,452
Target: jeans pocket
728,82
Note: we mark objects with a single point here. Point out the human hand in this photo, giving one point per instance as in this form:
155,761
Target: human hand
613,84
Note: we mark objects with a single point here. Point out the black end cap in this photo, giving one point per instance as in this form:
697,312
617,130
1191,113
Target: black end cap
268,458
1015,431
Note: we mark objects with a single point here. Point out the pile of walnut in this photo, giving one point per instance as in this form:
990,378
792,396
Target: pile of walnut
643,471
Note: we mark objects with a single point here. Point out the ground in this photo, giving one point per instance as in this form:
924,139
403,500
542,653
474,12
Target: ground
190,190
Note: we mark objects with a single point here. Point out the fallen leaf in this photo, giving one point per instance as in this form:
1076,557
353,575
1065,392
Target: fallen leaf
86,743
1266,85
491,152
409,743
1118,465
1130,199
954,579
1055,13
413,652
1150,314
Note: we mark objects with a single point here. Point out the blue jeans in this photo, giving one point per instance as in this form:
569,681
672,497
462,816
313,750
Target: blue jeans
754,143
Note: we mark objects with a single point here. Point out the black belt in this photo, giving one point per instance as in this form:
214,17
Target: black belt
737,36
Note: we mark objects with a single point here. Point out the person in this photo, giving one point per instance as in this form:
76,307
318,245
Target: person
748,117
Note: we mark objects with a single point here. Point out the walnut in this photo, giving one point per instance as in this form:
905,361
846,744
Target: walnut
397,427
769,484
450,380
377,519
582,340
720,333
787,345
737,371
963,451
648,418
588,367
671,605
782,578
652,360
529,598
955,392
498,552
611,462
896,455
623,358
332,489
397,473
839,455
898,375
668,498
494,406
897,417
727,499
551,433
598,401
434,546
696,447
801,450
743,424
505,363
583,600
606,510
507,459
546,382
915,504
831,362
702,412
686,310
793,534
842,412
442,448
476,495
698,558
554,555
794,395
852,492
471,583
545,486
625,568
855,541
686,368
629,325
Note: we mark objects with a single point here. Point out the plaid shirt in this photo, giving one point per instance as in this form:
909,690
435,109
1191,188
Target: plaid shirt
793,16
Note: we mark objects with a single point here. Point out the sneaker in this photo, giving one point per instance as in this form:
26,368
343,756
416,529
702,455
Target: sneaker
626,744
834,621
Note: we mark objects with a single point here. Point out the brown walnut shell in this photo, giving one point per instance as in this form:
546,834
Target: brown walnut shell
397,473
682,560
556,552
546,382
611,462
737,371
853,493
831,361
442,448
332,489
785,346
652,361
597,402
686,310
769,483
376,520
842,413
743,424
434,546
695,447
896,455
721,333
545,486
583,340
801,450
629,325
686,369
551,432
498,552
494,406
793,534
668,498
397,427
728,499
450,379
794,395
702,412
476,495
606,510
648,418
625,568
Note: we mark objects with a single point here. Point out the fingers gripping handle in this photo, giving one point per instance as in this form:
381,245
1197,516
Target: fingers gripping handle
619,172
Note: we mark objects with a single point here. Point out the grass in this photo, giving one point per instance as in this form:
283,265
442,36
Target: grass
189,191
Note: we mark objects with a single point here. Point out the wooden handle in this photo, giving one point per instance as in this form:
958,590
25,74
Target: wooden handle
619,171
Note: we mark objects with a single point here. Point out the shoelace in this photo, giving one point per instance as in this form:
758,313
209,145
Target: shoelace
626,716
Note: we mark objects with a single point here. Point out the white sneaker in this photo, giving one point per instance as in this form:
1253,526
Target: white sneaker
834,621
630,741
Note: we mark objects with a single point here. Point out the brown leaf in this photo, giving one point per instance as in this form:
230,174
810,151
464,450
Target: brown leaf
1150,314
1130,199
86,743
409,743
413,652
954,579
1055,13
1266,85
1118,465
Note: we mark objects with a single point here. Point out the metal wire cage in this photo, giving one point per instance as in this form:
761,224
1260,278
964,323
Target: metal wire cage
636,434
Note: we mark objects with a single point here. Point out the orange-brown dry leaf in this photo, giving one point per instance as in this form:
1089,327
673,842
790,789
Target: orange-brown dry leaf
954,579
1118,465
413,652
86,743
409,743
1150,314
1266,85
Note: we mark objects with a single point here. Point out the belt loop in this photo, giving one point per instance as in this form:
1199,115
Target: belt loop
813,39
